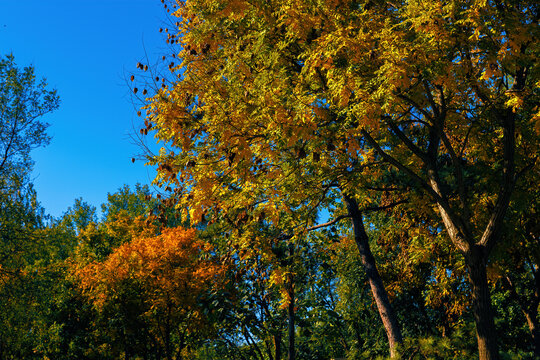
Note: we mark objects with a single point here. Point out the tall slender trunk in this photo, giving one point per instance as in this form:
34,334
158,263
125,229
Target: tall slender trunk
277,346
476,260
532,321
386,312
290,308
529,308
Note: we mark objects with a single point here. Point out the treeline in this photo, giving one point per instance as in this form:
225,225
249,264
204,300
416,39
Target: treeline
132,287
338,180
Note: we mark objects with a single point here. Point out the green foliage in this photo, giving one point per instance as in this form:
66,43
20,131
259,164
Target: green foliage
22,103
135,203
79,216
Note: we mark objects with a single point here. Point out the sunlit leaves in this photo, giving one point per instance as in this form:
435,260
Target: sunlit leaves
169,266
167,276
278,107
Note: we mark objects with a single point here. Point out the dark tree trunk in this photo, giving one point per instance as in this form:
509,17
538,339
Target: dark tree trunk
529,308
290,309
380,295
476,261
277,346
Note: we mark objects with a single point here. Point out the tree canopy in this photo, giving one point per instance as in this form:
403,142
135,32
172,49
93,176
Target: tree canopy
338,94
337,179
22,104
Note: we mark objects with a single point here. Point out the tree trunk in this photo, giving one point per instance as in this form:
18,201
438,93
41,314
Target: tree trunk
532,321
290,308
481,304
277,346
380,295
529,308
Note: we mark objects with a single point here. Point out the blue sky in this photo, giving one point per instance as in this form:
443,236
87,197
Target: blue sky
86,49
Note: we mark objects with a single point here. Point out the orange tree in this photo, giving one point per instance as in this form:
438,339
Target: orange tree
170,271
275,104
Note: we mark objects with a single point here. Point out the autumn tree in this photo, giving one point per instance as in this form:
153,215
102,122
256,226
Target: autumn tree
454,101
231,161
171,272
441,92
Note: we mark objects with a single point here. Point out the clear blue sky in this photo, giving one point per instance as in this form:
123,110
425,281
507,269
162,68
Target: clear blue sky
86,49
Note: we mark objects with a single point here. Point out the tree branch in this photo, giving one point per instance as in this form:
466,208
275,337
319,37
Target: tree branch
329,223
412,146
459,173
384,207
452,221
491,232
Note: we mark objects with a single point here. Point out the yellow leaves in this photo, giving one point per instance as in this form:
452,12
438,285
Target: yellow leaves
535,120
234,9
479,4
295,19
195,214
280,279
285,298
491,70
122,225
278,83
515,100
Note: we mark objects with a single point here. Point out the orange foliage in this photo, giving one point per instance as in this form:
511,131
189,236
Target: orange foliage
173,269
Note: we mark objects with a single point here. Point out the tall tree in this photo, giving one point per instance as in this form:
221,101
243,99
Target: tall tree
278,103
26,247
229,159
22,103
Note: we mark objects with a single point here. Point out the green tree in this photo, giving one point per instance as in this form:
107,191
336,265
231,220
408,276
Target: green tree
27,247
22,104
79,216
136,202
